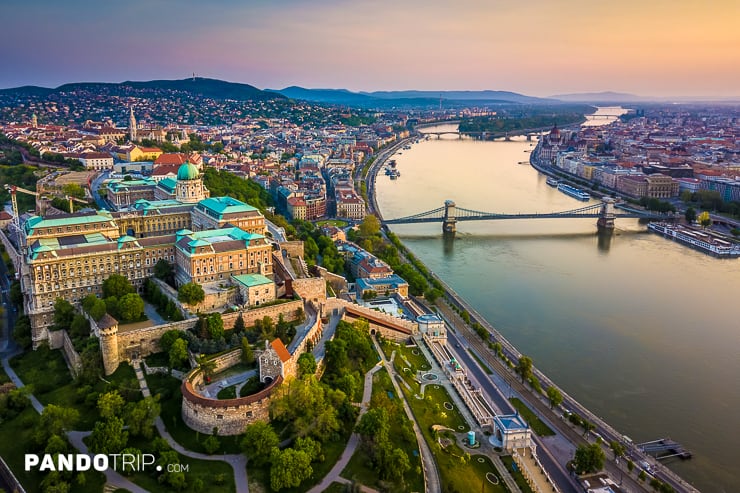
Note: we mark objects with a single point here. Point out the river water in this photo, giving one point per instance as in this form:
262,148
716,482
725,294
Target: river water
643,331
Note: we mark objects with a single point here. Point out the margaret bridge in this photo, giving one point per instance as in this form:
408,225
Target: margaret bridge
605,213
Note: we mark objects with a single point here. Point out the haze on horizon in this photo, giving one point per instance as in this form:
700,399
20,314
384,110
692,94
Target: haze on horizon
658,48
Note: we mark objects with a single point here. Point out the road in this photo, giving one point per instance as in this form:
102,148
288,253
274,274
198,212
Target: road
94,185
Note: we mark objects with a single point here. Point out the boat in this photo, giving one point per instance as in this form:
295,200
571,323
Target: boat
704,241
552,181
574,192
406,147
392,162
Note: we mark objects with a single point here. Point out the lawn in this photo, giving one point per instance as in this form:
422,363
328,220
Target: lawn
16,439
171,401
47,374
158,359
516,474
537,425
251,386
332,222
217,476
480,362
336,488
3,376
359,468
227,392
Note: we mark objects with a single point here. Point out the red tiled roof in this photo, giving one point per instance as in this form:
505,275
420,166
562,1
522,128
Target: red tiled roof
177,158
281,350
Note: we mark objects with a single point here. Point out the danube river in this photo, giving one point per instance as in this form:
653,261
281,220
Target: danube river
643,331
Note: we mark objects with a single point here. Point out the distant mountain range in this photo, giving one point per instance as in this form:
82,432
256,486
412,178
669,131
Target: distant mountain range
198,86
385,98
601,97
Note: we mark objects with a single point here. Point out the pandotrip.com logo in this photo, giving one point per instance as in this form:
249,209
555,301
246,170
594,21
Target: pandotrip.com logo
124,463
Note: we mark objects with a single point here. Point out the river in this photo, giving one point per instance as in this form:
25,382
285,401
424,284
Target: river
641,330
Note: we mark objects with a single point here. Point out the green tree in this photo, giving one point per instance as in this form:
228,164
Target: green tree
140,416
108,437
117,286
306,364
247,353
178,353
524,367
16,295
110,404
690,214
80,327
130,307
588,458
617,448
555,396
215,326
169,338
88,302
191,293
257,442
370,226
64,313
704,219
165,271
289,468
239,325
22,332
206,365
211,444
55,420
173,478
98,309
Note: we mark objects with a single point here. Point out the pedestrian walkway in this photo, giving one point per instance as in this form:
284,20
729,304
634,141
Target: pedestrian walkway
499,464
532,471
238,462
429,466
354,439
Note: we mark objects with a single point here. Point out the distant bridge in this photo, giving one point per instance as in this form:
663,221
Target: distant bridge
483,135
605,213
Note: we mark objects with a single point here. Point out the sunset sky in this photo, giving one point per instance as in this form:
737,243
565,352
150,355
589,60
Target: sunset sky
539,47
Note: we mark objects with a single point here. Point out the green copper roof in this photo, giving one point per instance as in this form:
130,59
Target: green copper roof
38,222
168,184
251,280
218,206
188,171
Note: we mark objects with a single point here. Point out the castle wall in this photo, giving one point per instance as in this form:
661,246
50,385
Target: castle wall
310,289
293,248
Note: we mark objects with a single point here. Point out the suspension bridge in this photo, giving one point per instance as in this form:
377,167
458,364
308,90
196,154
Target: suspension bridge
605,213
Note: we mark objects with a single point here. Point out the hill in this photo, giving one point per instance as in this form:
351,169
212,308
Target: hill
487,95
601,97
198,86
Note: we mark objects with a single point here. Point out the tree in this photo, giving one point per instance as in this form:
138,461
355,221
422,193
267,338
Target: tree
704,219
588,458
110,405
55,420
64,313
215,326
16,295
130,307
524,367
117,285
306,364
178,353
690,214
556,398
22,332
617,448
370,226
247,353
258,441
289,468
168,339
191,293
171,476
211,444
108,437
140,416
98,309
165,271
239,325
206,365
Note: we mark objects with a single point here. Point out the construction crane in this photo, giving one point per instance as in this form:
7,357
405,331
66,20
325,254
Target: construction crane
13,189
70,198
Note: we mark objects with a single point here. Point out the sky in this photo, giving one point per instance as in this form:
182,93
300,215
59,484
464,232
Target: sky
663,48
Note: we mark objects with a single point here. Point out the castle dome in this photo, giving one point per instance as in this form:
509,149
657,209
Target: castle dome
187,171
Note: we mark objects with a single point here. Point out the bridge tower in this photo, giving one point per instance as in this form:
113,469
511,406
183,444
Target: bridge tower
606,214
449,223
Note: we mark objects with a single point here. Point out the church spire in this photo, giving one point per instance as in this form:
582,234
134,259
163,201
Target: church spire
132,125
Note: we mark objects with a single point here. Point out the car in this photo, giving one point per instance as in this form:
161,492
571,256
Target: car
457,344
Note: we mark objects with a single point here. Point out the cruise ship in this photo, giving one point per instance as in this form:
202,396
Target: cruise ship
573,192
701,240
552,181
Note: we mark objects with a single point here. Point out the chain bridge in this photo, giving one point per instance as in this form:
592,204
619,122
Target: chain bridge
605,213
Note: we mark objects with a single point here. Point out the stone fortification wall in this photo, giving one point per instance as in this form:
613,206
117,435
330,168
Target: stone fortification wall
230,416
288,310
390,327
338,283
59,339
145,341
310,289
227,360
292,248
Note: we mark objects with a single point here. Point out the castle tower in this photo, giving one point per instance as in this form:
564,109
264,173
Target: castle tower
132,125
35,121
108,332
